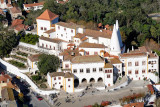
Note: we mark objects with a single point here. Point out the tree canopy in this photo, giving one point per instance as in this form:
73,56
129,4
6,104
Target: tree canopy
132,15
8,40
48,63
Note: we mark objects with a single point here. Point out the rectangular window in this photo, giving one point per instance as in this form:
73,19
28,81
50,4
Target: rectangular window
64,29
136,63
69,79
41,28
100,69
143,62
61,35
143,71
81,70
45,28
129,63
110,71
87,70
75,70
58,27
59,78
87,53
106,71
59,82
108,76
136,72
95,53
66,65
54,78
94,69
72,31
129,72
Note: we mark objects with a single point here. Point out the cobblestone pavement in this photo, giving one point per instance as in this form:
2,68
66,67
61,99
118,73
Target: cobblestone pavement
93,95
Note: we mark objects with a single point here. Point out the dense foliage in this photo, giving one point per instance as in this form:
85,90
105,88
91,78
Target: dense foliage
29,38
17,64
133,18
48,63
8,40
22,53
36,77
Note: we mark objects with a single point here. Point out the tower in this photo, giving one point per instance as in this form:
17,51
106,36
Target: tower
116,42
119,35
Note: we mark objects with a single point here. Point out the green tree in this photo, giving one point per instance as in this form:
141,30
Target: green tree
48,63
8,41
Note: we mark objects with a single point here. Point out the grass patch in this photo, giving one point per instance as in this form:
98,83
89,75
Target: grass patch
17,64
19,58
22,54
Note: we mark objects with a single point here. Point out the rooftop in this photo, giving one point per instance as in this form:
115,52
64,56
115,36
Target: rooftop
108,65
50,31
16,22
69,25
4,78
34,4
87,59
15,10
133,54
34,58
96,34
47,15
115,61
139,104
91,45
56,40
65,75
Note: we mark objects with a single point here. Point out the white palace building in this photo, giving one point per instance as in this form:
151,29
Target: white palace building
89,56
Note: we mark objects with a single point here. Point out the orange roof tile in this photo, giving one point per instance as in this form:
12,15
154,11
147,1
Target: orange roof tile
34,58
70,44
82,50
50,31
33,4
139,104
4,78
133,54
91,45
96,34
20,27
47,15
16,22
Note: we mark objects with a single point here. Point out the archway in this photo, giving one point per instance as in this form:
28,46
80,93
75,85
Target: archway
76,83
100,79
84,80
92,80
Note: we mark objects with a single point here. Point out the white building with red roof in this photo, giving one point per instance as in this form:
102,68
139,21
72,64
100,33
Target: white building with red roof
141,64
45,22
33,6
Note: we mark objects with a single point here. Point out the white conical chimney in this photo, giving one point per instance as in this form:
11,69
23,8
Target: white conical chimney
115,45
132,48
128,50
119,34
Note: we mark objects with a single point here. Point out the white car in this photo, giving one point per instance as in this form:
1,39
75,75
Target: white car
151,101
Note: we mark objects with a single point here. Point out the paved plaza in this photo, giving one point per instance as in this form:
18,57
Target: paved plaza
93,95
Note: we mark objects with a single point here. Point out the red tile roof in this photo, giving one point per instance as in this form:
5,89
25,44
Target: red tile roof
33,4
34,58
139,104
96,34
133,54
16,22
4,78
47,15
91,45
20,27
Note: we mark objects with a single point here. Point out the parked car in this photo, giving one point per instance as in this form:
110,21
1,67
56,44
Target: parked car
39,98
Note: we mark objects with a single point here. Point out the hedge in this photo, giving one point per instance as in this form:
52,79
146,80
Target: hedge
17,64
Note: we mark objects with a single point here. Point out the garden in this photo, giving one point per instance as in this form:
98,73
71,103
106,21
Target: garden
29,38
39,80
18,58
17,64
22,54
